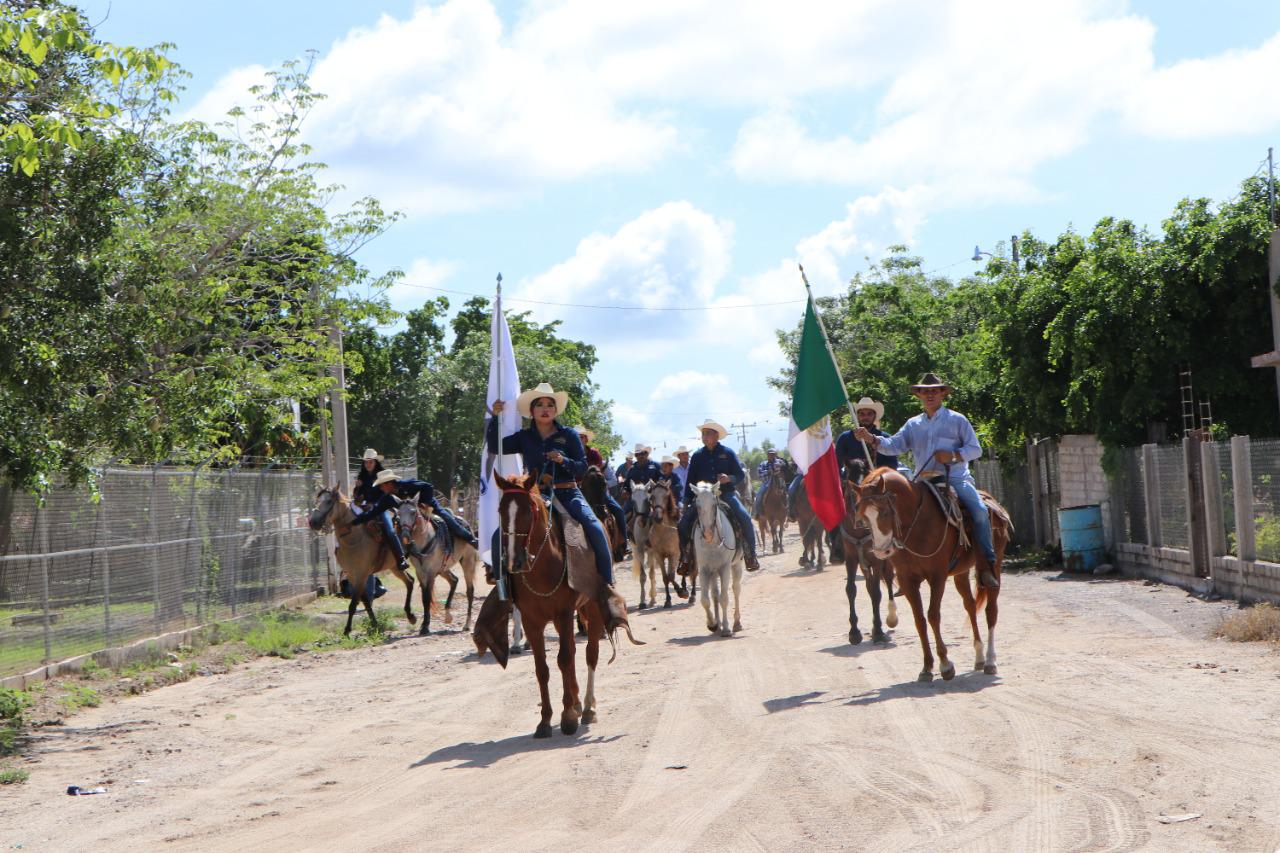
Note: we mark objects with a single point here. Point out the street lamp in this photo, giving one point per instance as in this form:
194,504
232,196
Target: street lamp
1013,242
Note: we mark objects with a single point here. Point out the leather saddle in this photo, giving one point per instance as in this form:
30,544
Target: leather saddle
949,502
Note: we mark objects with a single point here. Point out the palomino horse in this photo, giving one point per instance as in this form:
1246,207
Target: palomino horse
641,523
719,560
664,541
856,537
773,512
538,565
594,488
361,552
425,543
909,529
812,533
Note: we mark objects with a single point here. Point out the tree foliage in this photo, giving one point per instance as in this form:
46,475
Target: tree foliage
1088,335
167,285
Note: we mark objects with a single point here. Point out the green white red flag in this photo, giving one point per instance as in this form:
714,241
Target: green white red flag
818,390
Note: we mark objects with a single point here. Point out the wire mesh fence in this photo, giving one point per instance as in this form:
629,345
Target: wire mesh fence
1171,474
1132,496
162,549
1011,486
1264,458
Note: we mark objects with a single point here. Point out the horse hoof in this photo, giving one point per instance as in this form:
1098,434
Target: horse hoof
737,626
712,628
925,676
424,631
725,632
543,730
515,650
413,620
990,669
667,606
879,637
948,672
569,725
588,717
855,637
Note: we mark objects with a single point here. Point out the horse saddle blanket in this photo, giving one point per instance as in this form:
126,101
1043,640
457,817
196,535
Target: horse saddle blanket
949,502
583,576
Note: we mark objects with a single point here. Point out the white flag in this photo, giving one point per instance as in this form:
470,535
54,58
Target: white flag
508,422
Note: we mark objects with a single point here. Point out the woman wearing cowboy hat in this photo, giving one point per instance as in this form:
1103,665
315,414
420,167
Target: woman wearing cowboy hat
943,441
370,467
383,511
715,463
555,450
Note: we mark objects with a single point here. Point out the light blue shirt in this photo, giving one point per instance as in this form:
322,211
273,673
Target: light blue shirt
682,471
923,436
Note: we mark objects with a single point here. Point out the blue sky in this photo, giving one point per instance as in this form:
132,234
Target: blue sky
687,154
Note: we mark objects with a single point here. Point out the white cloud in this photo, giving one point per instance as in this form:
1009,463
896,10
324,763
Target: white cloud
671,256
411,290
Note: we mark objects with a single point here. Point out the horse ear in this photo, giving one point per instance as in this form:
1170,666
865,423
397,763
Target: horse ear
531,482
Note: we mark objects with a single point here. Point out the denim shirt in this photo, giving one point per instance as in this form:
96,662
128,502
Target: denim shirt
847,448
923,436
706,466
646,473
533,449
425,492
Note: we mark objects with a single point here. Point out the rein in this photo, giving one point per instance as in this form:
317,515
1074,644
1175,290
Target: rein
899,542
533,560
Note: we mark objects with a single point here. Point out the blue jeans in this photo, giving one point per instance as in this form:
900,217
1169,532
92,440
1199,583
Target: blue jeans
758,500
972,502
578,508
739,511
791,493
615,509
388,523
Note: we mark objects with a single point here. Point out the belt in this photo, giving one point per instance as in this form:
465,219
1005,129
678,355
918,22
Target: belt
564,485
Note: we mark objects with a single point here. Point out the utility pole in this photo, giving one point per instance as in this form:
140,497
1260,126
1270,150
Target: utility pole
1272,359
743,429
1013,241
338,400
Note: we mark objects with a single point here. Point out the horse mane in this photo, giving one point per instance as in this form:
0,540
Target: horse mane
593,487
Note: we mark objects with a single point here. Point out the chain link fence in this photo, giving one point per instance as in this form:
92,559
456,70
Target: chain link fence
162,549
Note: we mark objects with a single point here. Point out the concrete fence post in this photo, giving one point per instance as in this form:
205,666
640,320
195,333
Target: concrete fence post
1216,527
1242,482
1151,495
1033,478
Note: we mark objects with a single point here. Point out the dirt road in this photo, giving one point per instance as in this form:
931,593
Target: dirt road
1111,709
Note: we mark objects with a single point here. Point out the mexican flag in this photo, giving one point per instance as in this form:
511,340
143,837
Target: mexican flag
818,390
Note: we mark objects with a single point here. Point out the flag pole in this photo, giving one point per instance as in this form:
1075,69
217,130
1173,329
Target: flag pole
826,340
498,565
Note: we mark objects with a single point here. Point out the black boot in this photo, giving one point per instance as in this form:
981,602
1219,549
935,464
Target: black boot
753,564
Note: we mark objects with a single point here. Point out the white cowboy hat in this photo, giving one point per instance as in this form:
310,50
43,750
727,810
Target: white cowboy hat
387,476
587,435
641,447
710,424
370,453
868,403
544,389
681,449
667,459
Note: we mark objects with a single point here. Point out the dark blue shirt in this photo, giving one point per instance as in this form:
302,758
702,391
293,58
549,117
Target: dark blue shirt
425,492
645,472
848,447
381,503
706,466
533,448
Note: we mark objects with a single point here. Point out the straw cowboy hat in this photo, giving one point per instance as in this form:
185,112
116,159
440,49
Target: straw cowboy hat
667,459
641,447
587,435
930,380
710,424
387,476
370,453
868,403
544,389
681,449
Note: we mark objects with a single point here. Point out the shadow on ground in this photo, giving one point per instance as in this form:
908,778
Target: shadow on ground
490,752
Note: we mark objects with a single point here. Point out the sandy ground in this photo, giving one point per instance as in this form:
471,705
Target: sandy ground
1111,708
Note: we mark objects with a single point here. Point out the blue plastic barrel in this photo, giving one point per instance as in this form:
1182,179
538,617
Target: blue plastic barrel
1083,545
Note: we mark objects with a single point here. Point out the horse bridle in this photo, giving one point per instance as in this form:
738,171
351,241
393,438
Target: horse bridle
898,541
530,562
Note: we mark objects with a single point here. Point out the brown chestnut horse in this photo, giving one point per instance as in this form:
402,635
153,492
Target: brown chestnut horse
533,545
910,530
594,490
773,512
856,537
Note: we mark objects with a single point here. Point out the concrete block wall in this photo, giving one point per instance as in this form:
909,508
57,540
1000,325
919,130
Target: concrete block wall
1167,565
1081,480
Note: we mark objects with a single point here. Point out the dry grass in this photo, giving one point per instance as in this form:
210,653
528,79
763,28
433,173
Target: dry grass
1260,623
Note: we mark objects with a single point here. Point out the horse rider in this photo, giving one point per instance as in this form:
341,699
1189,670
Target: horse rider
848,447
555,450
594,458
682,468
643,472
669,477
943,441
383,510
363,492
426,494
715,463
766,471
625,468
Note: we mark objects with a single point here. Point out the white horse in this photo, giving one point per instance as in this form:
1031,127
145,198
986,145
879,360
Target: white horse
719,560
426,533
640,526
